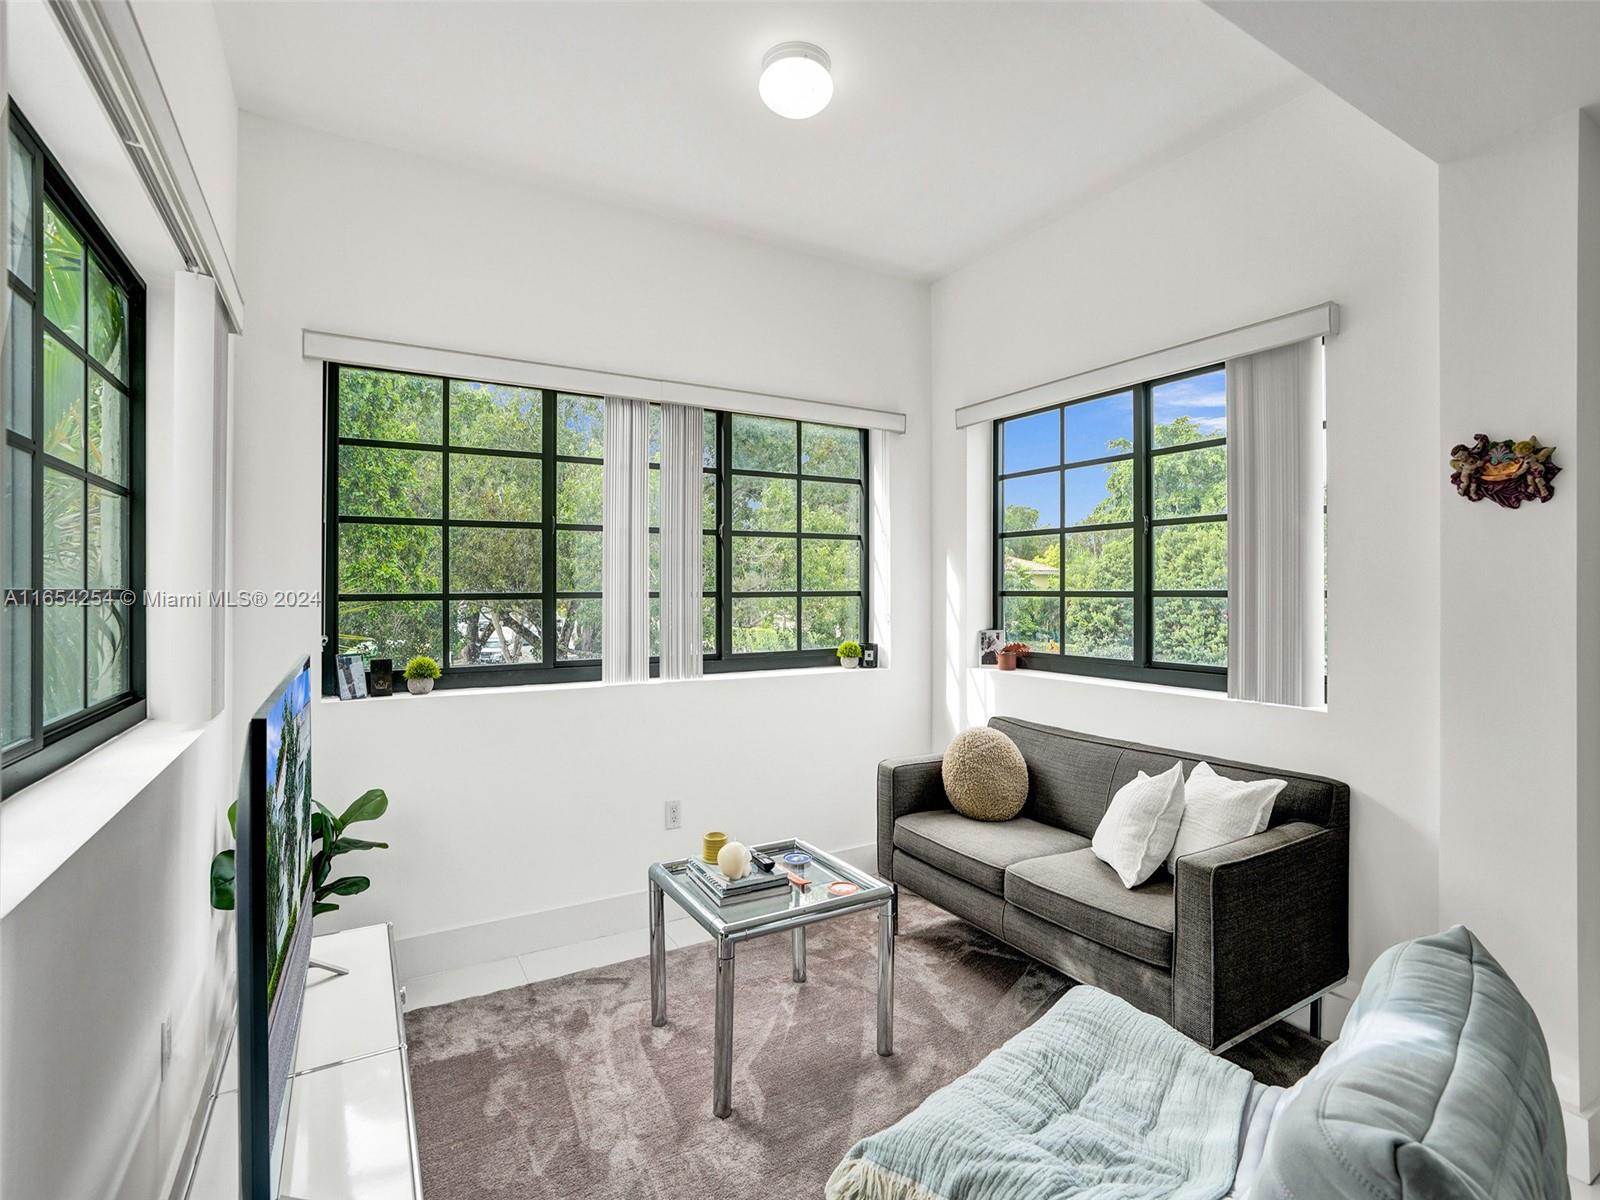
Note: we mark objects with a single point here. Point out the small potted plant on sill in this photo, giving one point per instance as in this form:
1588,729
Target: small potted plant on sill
421,671
1006,657
849,653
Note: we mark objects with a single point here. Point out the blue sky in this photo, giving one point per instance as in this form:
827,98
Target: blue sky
1201,398
299,691
1095,426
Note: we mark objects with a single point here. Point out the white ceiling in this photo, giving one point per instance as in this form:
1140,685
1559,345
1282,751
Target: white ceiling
1448,77
953,126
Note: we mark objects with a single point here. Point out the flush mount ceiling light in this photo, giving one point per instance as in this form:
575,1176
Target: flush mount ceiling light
795,82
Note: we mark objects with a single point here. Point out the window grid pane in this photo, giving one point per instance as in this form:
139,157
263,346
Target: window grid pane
797,544
1111,531
489,554
73,403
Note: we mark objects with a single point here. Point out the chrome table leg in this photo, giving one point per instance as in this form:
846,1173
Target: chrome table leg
722,1052
886,924
799,936
658,957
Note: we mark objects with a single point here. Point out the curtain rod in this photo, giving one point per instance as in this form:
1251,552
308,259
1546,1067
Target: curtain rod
1320,320
402,356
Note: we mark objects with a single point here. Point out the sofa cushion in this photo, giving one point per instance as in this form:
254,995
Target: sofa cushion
979,851
1069,774
1303,797
1079,892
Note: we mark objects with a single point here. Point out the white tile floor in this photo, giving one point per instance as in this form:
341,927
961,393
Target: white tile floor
423,991
442,987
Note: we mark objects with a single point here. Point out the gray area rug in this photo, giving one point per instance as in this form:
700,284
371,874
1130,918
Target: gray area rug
564,1089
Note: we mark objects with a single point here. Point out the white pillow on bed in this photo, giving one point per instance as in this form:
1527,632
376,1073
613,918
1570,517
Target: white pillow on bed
1218,810
1140,822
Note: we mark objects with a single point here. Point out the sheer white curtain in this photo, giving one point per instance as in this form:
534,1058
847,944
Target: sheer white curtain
1275,487
682,548
625,624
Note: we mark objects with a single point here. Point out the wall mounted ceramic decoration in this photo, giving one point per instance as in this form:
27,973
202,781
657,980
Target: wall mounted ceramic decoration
1506,472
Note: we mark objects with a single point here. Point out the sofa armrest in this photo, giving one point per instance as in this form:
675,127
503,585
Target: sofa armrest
1261,925
905,785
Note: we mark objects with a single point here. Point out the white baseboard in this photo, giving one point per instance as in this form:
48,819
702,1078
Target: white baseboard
489,941
1583,1142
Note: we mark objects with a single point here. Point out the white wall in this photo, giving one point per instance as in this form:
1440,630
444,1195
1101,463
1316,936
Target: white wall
494,793
1519,831
1309,202
186,47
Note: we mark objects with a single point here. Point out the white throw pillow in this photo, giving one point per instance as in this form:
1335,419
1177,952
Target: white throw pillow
1140,823
1218,810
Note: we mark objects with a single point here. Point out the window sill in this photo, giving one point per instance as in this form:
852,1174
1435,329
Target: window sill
1057,678
540,689
46,823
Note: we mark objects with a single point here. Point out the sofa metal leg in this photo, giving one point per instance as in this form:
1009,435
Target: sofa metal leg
1314,1020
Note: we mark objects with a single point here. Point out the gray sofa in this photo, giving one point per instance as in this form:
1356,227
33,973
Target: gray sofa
1244,934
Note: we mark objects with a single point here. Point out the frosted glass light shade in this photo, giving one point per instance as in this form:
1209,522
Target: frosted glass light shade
795,80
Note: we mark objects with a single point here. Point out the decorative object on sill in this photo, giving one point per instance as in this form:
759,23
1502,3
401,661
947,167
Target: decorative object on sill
1006,657
351,673
849,653
733,860
989,643
327,833
711,845
421,671
869,655
382,677
1506,472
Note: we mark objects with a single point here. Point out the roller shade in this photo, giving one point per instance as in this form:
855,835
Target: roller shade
1321,320
491,368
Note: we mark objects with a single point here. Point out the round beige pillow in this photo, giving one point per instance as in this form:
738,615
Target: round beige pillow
985,775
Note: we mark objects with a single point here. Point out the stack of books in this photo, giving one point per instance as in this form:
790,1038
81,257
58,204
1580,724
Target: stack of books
723,890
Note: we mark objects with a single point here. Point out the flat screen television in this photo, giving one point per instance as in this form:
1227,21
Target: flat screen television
274,910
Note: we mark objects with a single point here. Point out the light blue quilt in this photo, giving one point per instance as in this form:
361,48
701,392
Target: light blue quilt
1096,1100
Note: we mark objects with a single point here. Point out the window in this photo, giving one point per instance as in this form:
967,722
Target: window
466,518
468,523
797,546
73,620
1111,532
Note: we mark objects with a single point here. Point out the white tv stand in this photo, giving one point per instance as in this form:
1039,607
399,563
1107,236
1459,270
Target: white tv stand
351,1133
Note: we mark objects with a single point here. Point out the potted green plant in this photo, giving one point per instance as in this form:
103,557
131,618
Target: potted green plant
1006,657
849,653
421,671
328,831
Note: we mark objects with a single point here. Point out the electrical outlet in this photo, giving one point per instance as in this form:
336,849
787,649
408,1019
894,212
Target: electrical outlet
674,814
166,1046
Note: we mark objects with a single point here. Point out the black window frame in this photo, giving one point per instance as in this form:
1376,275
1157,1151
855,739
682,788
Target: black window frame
729,659
1143,666
550,670
51,747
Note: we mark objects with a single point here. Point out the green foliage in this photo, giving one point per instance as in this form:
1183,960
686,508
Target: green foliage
329,842
401,559
849,649
1186,629
423,667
